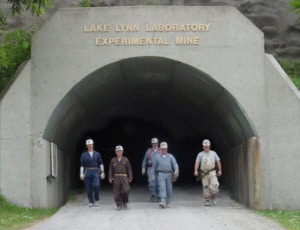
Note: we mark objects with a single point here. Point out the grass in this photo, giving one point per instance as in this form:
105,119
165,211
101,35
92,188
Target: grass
14,217
292,68
288,219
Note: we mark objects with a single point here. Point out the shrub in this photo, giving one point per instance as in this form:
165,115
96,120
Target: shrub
292,68
13,51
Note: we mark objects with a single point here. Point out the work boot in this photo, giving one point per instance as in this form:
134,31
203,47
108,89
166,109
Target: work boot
207,203
163,204
153,198
213,201
119,207
91,205
96,204
125,206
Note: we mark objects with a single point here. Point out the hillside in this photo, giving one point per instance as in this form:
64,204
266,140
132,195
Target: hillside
273,17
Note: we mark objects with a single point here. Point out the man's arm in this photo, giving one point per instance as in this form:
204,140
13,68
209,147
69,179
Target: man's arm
219,166
196,167
144,163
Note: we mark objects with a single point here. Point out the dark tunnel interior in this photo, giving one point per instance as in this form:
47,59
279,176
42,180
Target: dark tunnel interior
130,101
135,135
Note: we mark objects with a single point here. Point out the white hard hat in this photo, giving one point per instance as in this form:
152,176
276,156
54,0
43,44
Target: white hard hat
163,145
89,142
119,147
154,140
206,142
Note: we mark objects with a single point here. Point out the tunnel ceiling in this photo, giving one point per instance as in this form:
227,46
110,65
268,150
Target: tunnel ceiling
182,99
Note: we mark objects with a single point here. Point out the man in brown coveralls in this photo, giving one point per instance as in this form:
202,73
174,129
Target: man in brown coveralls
120,175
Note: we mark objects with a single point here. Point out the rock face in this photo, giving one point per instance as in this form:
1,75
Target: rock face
280,26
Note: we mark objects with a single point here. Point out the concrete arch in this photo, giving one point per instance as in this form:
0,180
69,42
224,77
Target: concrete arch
131,100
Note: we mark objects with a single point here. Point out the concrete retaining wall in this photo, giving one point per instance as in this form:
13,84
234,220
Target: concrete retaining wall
284,135
15,139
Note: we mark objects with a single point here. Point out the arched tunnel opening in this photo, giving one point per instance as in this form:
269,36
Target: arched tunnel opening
130,101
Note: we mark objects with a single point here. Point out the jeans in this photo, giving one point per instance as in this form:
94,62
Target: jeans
165,186
92,184
153,185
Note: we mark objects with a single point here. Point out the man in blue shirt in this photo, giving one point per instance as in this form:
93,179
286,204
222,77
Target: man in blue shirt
147,168
91,165
166,170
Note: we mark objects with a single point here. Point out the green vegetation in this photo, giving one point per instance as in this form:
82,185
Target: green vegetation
37,7
288,219
71,198
13,51
292,68
85,3
14,217
295,6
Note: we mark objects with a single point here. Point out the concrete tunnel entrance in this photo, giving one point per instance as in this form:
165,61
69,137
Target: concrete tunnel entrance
132,100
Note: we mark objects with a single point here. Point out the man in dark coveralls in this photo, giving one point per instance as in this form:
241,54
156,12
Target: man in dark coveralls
120,175
91,165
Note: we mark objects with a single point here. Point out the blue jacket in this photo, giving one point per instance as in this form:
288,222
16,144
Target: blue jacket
87,161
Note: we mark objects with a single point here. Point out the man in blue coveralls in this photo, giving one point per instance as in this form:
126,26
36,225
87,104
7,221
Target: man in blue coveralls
166,170
91,165
147,168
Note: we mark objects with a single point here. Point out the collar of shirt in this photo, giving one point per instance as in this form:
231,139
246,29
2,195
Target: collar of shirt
91,154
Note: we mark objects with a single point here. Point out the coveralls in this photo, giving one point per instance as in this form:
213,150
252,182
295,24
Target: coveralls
148,164
91,164
207,161
121,172
163,166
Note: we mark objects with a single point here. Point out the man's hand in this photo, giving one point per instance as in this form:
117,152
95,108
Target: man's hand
143,171
219,173
102,175
81,173
153,177
196,173
110,180
175,176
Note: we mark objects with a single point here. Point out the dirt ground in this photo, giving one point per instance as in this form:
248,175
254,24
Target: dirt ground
186,211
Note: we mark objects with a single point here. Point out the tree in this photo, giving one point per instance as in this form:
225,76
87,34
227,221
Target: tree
295,6
37,7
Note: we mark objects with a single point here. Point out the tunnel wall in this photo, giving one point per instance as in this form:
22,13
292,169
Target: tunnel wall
245,173
284,135
15,138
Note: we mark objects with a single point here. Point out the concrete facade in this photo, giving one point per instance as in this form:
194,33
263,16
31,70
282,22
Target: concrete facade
225,73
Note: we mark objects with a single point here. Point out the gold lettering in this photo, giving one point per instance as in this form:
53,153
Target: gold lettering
196,41
187,40
207,26
96,28
98,42
124,41
127,27
134,41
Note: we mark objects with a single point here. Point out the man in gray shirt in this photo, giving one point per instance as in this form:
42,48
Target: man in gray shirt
166,170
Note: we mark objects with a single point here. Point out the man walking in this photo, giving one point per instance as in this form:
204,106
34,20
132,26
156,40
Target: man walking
91,165
120,175
207,161
166,169
147,167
